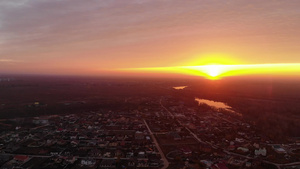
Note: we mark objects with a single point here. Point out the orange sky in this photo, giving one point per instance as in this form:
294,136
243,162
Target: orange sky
219,71
97,37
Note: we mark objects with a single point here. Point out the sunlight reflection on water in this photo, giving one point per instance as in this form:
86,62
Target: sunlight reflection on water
213,103
179,87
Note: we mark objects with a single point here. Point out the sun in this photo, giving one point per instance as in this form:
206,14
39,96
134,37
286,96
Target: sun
213,71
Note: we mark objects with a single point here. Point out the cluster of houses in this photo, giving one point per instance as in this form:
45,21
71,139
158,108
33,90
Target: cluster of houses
87,140
172,134
220,139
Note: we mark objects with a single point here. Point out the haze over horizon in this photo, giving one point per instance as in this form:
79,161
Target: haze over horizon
98,37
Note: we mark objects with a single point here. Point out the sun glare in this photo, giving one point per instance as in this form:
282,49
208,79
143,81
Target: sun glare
213,70
219,71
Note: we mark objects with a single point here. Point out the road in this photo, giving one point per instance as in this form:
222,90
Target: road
166,162
160,101
171,114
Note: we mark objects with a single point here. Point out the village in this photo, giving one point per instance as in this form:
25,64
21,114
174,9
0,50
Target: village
165,134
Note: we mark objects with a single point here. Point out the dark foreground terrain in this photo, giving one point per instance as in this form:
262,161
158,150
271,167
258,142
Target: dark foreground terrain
72,122
271,103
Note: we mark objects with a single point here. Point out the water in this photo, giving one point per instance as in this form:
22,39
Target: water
218,105
179,87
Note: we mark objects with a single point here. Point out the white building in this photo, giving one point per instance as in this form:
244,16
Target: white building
260,151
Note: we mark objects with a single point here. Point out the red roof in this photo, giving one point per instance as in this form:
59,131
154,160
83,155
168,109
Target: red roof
221,166
21,157
186,150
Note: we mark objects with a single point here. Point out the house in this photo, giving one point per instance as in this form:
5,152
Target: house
260,151
108,163
207,163
175,136
129,154
139,135
21,158
243,149
236,162
107,154
279,149
231,147
41,121
205,148
103,144
142,164
154,162
54,153
88,162
131,163
142,156
73,136
248,164
219,166
239,140
113,144
186,150
71,159
256,145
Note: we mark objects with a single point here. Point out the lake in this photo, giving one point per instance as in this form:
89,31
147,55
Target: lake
179,87
218,105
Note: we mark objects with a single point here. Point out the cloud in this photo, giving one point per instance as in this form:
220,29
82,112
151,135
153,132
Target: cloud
53,22
9,61
51,30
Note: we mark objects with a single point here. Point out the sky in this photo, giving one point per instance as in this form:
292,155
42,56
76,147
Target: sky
99,36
